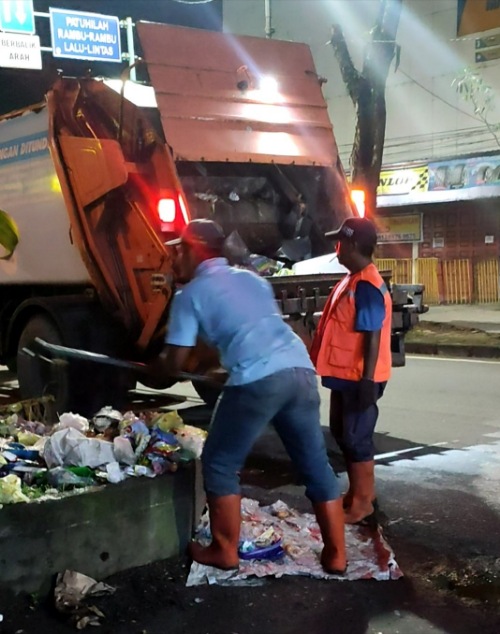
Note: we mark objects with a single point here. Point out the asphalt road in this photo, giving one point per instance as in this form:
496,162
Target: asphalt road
435,400
438,483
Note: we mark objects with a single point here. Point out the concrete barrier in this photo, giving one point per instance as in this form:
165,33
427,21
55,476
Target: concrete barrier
99,532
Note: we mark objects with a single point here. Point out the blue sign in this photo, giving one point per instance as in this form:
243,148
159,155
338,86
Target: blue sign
89,36
17,16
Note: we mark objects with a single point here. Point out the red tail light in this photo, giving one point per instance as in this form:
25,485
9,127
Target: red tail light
358,198
167,209
172,211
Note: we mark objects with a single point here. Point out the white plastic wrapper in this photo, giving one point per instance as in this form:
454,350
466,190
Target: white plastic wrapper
123,451
10,490
191,439
74,421
69,447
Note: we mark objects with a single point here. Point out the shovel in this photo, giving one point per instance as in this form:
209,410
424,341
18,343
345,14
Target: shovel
45,351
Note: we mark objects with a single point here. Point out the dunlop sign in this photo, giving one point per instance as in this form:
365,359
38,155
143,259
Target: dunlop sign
404,181
404,228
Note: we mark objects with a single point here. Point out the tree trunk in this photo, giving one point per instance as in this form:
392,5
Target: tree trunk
367,92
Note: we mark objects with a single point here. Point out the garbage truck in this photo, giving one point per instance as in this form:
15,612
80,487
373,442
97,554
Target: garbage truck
99,178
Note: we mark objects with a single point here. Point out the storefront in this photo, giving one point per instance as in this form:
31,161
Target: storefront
448,211
445,209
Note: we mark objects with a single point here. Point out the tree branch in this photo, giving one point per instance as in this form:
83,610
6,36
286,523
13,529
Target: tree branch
350,74
367,91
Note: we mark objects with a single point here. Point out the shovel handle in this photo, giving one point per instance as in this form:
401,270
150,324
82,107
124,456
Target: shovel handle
63,352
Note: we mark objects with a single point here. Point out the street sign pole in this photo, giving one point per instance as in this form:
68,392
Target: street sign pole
129,25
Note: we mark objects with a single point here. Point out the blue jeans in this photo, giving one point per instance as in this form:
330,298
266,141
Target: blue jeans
290,399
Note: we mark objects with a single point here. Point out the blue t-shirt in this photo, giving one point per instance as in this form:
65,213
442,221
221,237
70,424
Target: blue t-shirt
235,311
370,315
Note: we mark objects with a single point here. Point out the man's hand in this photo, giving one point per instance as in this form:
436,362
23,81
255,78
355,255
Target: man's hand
367,393
163,370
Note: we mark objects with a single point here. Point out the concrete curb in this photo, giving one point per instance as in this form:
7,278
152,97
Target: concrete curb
99,532
453,350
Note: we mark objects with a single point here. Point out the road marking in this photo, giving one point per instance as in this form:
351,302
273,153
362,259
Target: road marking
433,358
393,454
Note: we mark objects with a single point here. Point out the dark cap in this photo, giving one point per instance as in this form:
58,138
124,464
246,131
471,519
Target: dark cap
202,232
360,230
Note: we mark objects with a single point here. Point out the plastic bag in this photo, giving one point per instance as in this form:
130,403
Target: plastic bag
28,438
115,474
62,479
106,417
123,450
10,490
191,439
168,421
74,421
70,447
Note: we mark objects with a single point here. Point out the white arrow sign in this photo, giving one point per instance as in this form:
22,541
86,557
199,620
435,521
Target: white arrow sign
7,12
17,16
21,14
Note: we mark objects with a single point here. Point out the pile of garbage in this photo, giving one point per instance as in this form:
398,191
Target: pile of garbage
41,461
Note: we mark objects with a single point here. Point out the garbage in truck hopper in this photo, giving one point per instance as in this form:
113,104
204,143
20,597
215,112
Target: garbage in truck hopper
38,461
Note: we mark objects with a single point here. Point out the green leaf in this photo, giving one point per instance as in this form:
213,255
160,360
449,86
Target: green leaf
9,234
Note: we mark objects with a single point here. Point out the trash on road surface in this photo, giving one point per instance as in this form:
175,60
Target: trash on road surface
298,535
72,588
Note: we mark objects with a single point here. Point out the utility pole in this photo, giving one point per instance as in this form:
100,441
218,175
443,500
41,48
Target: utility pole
269,19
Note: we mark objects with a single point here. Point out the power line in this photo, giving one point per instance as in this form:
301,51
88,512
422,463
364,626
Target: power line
428,90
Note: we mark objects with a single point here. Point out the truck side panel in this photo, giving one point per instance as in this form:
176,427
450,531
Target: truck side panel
31,194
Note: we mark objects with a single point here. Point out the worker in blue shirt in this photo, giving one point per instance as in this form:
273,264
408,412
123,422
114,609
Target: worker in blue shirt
271,378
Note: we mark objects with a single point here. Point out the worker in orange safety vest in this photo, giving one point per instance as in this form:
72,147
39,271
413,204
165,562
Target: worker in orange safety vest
352,353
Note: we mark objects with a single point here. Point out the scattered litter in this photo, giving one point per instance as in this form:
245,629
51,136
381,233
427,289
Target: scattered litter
298,535
72,588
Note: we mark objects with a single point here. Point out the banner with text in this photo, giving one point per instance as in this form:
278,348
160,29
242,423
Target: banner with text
403,181
404,228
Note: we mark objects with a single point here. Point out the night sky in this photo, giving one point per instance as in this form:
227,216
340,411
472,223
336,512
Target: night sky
19,88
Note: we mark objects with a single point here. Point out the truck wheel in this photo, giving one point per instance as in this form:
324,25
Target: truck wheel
76,386
37,377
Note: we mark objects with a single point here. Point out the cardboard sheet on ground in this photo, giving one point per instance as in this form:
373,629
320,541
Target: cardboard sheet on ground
368,553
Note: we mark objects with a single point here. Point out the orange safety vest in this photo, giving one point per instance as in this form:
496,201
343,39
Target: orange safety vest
337,349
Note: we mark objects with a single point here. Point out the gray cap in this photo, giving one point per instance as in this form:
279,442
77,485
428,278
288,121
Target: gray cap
360,230
201,232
